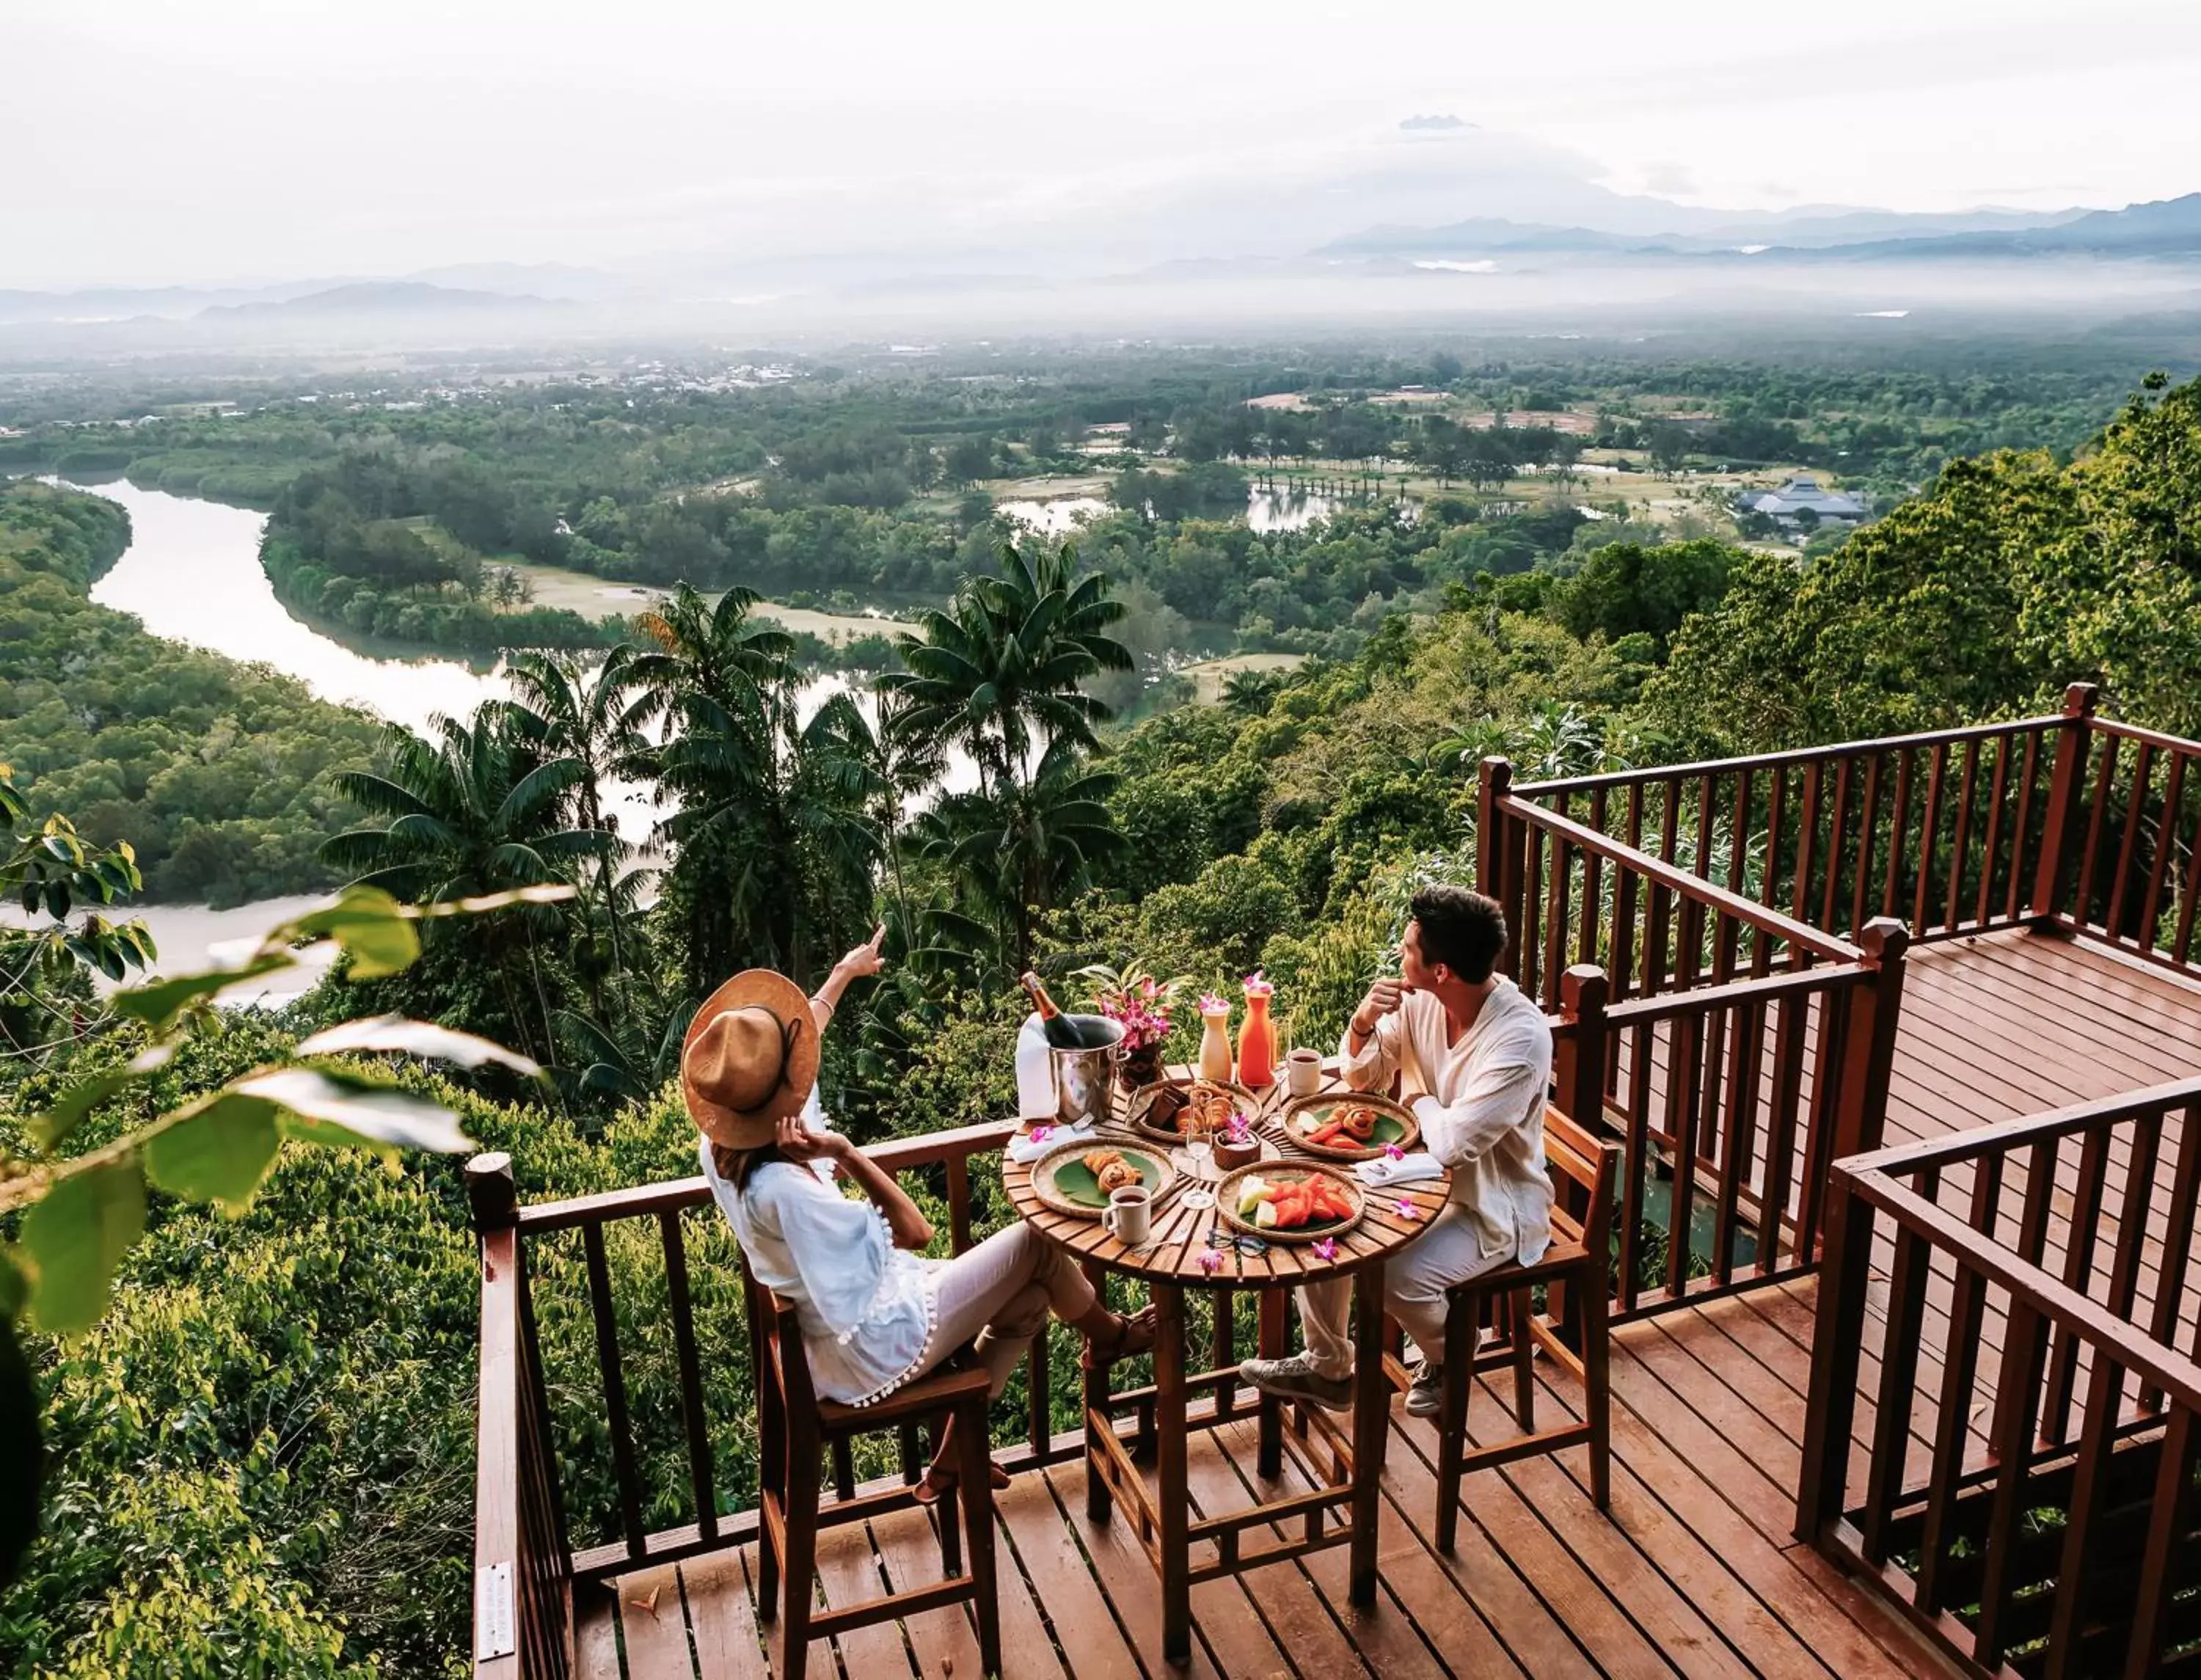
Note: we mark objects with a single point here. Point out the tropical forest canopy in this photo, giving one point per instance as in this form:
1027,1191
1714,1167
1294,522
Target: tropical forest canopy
261,1454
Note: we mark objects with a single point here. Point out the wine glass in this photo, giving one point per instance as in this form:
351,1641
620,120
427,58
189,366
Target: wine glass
1200,1150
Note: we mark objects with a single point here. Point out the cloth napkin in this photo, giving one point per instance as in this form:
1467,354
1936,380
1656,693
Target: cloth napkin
1406,1170
1036,1099
1024,1148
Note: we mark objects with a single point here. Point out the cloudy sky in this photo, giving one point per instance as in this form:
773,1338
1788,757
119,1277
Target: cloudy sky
153,142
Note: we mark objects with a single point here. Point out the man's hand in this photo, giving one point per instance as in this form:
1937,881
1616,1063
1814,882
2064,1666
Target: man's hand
1383,998
865,961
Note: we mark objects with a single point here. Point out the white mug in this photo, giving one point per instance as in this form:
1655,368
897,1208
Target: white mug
1303,1072
1130,1216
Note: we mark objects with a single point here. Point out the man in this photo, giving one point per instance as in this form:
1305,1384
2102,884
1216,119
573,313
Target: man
1477,1059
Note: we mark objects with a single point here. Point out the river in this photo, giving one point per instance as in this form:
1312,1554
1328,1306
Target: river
192,574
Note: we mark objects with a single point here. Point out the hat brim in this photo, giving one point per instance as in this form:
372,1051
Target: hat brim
753,1128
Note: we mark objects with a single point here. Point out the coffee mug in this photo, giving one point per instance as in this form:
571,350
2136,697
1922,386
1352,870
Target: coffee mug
1129,1217
1303,1071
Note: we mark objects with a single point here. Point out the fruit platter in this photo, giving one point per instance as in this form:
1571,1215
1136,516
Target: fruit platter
1350,1126
1301,1201
1081,1176
1164,1110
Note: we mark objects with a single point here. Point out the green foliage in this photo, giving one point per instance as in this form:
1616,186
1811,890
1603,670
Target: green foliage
1624,588
2011,576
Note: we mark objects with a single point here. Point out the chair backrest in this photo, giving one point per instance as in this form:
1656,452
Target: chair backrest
775,1344
1590,1166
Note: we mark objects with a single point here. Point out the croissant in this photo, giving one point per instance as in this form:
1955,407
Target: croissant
1098,1162
1115,1176
1359,1120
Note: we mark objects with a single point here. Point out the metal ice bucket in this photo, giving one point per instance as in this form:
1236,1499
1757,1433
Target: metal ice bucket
1083,1078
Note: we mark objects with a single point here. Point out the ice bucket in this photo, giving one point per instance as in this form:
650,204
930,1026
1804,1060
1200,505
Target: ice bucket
1083,1077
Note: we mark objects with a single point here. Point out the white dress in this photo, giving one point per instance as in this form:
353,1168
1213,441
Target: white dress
865,1305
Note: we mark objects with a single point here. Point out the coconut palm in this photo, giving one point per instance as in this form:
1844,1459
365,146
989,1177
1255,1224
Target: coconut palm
999,673
773,849
473,809
1021,849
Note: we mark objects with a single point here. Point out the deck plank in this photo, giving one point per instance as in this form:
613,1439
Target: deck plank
722,1616
848,1574
654,1623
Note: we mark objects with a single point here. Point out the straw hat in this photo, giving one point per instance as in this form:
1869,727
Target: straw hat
749,1058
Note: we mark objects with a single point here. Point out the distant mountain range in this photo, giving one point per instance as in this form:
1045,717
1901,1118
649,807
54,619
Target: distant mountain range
381,297
2169,227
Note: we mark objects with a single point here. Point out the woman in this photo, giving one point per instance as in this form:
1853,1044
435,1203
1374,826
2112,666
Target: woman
874,1313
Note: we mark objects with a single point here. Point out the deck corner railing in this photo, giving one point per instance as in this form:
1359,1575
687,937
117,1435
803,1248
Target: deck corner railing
2007,1446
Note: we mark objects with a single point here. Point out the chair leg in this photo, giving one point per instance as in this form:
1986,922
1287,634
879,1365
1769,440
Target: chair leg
1460,1333
979,1513
950,1504
1524,1355
801,1566
1597,1374
768,1497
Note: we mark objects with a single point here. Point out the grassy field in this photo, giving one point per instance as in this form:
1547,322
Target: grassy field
1210,674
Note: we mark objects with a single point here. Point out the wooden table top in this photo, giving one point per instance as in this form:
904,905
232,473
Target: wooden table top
1181,1233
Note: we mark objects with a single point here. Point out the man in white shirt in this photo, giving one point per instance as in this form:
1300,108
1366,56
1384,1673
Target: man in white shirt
1476,1060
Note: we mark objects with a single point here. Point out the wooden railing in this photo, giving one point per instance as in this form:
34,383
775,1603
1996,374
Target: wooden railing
1741,1048
1942,831
2014,1461
2129,871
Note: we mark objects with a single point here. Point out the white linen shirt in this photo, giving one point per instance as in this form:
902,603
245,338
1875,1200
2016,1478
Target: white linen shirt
1481,1106
865,1307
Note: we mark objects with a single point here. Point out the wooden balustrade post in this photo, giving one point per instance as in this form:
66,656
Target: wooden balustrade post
1499,851
1837,1346
1579,1055
490,1192
1869,1047
2067,800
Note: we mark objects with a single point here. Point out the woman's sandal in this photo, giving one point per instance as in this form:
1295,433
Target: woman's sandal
938,1479
1134,1336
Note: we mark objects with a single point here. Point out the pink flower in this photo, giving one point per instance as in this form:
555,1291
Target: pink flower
1392,1151
1326,1248
1209,1257
1257,984
1210,1004
1407,1210
1040,1134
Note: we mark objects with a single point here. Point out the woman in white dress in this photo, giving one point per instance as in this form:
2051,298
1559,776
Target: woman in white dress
875,1314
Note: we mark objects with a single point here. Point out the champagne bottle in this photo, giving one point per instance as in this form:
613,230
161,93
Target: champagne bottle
1061,1032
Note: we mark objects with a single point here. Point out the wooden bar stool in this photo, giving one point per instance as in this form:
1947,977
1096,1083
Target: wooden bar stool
1575,1271
795,1426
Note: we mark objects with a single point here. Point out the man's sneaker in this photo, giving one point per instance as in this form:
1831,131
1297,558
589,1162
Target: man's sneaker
1425,1398
1294,1379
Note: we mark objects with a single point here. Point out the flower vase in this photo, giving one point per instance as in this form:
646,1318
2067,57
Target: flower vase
1215,1045
1137,1068
1257,1042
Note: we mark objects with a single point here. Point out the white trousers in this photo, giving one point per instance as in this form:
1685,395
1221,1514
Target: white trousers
1001,1292
1414,1285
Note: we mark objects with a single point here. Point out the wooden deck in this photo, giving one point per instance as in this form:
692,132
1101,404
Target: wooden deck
1695,1572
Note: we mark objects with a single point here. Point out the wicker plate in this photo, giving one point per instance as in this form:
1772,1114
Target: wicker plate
1277,1171
1248,1104
1301,1117
1066,1159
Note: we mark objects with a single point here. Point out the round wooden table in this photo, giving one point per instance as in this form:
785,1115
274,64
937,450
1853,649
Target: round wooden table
1181,1256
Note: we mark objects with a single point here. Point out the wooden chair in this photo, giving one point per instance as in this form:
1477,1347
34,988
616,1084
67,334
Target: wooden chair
1575,1271
796,1426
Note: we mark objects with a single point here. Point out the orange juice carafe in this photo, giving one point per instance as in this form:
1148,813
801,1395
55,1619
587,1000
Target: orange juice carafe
1257,1038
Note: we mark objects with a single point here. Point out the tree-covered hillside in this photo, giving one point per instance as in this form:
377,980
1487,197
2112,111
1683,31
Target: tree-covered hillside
216,772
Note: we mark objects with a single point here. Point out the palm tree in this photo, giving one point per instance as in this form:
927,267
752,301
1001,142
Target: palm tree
477,809
773,849
999,673
1249,694
1024,848
567,711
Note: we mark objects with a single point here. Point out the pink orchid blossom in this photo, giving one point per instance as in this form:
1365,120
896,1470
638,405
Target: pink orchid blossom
1407,1210
1392,1151
1257,984
1326,1248
1209,1257
1210,1004
1040,1134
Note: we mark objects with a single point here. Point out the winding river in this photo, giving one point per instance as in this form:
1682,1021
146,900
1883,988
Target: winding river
192,574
